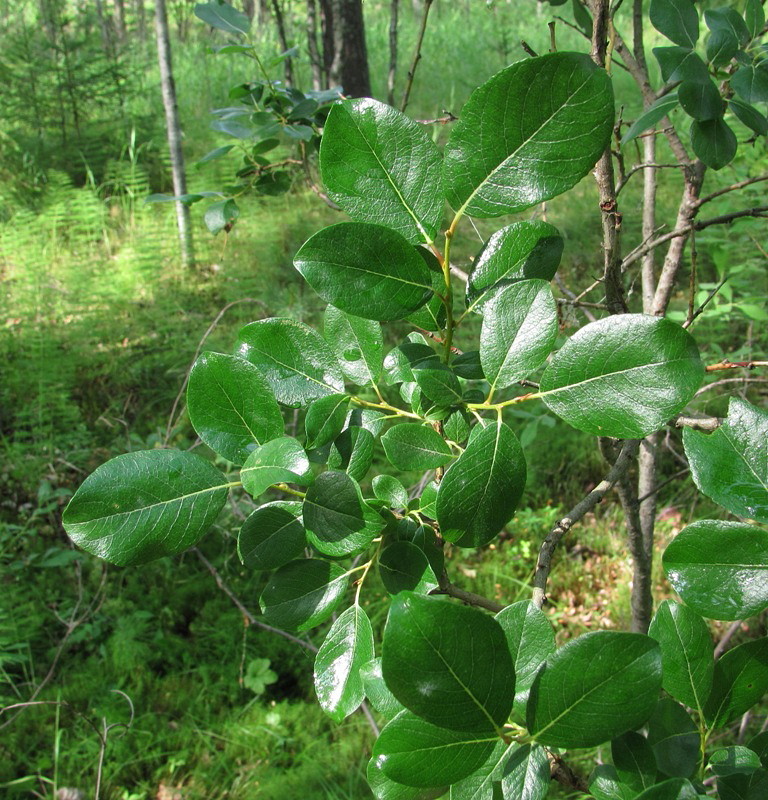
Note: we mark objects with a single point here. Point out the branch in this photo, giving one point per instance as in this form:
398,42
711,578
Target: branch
732,188
639,167
735,365
447,588
564,775
723,381
697,423
416,55
544,565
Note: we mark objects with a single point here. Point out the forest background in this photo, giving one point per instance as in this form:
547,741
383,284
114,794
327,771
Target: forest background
100,321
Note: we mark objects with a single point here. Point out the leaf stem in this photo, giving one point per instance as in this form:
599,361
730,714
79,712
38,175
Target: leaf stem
386,407
361,580
486,406
448,301
283,487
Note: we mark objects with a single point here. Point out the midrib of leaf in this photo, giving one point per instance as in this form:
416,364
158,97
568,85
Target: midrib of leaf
473,740
292,368
237,411
688,668
359,344
744,459
423,232
342,514
383,275
320,590
493,464
502,164
261,467
480,791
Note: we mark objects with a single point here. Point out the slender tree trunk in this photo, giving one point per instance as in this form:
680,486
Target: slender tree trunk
249,7
283,38
326,29
314,51
350,56
141,19
393,13
120,20
174,132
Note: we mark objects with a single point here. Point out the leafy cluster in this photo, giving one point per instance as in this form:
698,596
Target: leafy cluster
480,704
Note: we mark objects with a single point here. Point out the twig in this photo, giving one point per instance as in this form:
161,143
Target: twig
528,49
735,365
661,485
726,638
692,285
544,564
416,55
564,775
638,168
472,599
723,381
697,423
444,120
732,188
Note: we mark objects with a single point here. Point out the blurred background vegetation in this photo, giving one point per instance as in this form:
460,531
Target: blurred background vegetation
98,326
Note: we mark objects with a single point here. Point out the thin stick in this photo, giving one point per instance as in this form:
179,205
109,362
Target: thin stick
735,365
472,599
416,55
732,188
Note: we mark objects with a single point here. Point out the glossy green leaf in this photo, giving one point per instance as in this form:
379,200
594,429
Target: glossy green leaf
722,46
303,594
686,653
295,360
526,774
231,406
674,738
377,692
467,365
217,152
754,17
749,116
673,789
655,113
531,640
730,465
743,787
368,418
480,491
751,83
759,744
348,645
530,249
735,760
634,761
439,384
413,752
279,461
382,167
270,537
680,64
424,537
456,426
431,316
352,451
385,789
465,680
604,784
338,521
220,214
713,142
223,17
479,785
519,332
410,445
730,20
325,419
701,101
365,269
594,688
678,20
720,569
741,680
428,500
530,133
145,505
404,567
358,344
390,491
623,376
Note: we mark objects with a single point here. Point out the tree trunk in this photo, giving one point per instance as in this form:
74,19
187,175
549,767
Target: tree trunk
314,51
249,7
174,132
393,11
350,57
326,30
141,20
120,20
283,38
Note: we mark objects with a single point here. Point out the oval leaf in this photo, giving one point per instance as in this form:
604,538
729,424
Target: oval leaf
358,343
623,376
674,738
655,113
678,20
325,419
281,460
526,774
377,692
479,785
465,680
382,167
741,680
390,491
352,451
634,760
403,566
145,505
414,446
575,697
713,142
385,789
365,269
530,133
223,17
270,537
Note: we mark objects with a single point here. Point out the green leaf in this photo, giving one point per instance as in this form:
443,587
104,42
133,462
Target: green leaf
530,133
423,536
604,784
467,365
680,64
456,426
390,491
348,645
224,17
382,167
145,505
576,696
531,640
303,594
741,680
481,489
730,20
526,774
325,419
623,376
385,789
479,785
713,142
634,761
749,116
352,451
214,154
759,744
404,567
358,343
297,363
413,752
582,17
465,678
377,692
431,316
720,569
655,113
520,251
231,406
678,20
754,17
282,460
674,738
673,789
751,83
735,760
439,384
338,521
365,269
519,331
743,787
258,676
687,658
701,101
722,46
220,214
270,537
428,500
410,445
